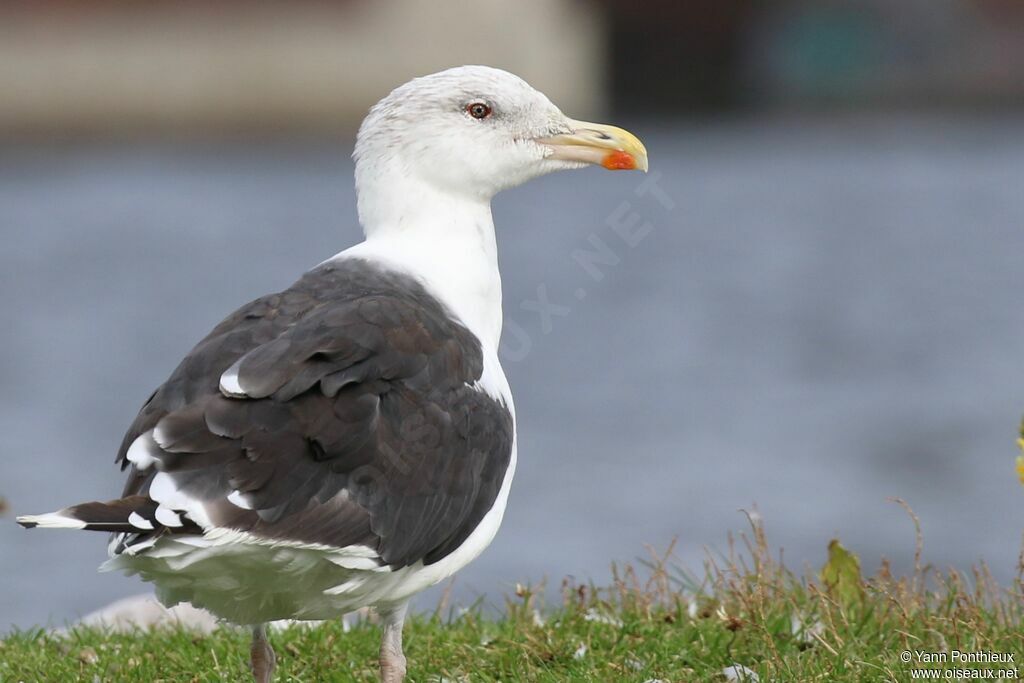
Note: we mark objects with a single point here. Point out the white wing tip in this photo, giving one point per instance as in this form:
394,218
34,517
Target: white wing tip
51,520
168,517
229,385
237,498
139,452
140,522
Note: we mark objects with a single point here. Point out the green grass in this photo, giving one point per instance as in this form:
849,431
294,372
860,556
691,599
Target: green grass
654,623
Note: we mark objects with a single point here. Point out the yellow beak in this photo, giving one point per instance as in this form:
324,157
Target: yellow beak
595,143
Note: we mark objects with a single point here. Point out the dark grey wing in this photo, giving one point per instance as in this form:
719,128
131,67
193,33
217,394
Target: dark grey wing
348,416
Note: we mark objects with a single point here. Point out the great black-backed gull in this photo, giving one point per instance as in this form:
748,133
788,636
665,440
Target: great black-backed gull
351,440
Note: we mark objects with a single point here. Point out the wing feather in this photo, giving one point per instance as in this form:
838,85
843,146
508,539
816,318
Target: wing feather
357,423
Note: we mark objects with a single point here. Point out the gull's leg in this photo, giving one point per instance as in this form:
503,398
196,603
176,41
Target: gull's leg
392,661
263,659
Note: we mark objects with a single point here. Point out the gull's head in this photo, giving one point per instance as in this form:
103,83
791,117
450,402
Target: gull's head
475,130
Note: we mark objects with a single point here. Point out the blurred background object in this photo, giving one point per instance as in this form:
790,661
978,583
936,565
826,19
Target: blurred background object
824,312
713,55
110,67
107,67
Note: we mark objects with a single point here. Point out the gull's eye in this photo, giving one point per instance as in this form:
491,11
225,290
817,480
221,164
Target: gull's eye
478,110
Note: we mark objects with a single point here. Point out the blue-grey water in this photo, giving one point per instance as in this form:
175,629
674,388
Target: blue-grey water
812,316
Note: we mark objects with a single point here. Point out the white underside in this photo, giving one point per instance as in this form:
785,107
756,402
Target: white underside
248,580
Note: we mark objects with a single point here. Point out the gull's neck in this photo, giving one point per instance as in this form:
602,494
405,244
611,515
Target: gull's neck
444,240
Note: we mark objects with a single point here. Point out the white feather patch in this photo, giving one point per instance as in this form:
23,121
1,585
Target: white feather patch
52,520
237,498
140,453
140,522
229,385
167,516
158,436
164,491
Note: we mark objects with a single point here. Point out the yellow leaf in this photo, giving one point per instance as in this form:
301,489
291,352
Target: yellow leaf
1020,458
841,575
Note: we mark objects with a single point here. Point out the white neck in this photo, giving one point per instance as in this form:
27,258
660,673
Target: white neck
446,241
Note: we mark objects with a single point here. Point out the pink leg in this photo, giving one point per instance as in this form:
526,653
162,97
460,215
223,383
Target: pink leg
263,659
392,661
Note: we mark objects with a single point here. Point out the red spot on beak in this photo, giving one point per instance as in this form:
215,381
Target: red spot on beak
619,161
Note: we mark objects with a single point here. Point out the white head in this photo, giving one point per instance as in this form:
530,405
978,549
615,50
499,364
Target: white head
470,132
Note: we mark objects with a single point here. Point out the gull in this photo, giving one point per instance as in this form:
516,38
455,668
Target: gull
351,441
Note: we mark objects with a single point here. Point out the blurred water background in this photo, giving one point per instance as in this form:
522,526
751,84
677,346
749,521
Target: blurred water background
821,308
